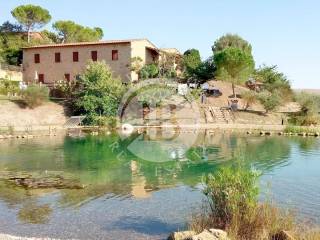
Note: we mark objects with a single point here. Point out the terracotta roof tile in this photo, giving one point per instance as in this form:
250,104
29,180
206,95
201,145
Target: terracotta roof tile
86,43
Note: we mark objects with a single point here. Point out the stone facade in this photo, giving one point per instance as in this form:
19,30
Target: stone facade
50,63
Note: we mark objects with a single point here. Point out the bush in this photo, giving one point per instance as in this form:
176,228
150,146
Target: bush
35,95
269,100
62,89
233,206
231,193
8,87
149,71
310,108
103,121
97,93
250,97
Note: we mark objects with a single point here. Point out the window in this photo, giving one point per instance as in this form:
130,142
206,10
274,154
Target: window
57,57
37,58
67,77
76,56
94,56
115,55
41,78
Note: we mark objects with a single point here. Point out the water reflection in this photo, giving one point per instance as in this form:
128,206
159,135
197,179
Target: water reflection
109,167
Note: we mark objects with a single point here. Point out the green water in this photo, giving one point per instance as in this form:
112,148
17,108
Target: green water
144,186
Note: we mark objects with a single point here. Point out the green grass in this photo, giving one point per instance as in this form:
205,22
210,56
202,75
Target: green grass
233,205
301,129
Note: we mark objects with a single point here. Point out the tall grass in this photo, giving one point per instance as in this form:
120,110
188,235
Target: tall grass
232,205
301,129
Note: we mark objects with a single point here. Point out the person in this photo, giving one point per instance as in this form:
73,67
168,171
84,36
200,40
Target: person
203,98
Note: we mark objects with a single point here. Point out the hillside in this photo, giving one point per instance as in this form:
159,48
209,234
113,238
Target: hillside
13,115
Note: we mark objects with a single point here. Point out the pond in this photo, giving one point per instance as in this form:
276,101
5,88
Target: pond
145,186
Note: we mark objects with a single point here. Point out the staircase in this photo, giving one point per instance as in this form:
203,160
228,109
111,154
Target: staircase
218,115
74,121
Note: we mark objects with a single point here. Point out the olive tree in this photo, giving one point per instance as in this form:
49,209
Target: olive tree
233,65
31,17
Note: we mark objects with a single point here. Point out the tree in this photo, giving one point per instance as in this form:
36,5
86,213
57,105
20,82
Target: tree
50,36
168,64
205,70
191,61
233,65
31,17
98,93
69,31
8,27
231,40
273,80
250,97
269,100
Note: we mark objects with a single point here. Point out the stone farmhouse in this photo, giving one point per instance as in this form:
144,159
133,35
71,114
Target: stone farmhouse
54,62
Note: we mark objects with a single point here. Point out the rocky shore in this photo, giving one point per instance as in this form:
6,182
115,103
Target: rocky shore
211,234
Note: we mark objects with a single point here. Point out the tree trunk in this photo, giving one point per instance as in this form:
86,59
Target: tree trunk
233,90
29,35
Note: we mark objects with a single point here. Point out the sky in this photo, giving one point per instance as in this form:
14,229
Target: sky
285,33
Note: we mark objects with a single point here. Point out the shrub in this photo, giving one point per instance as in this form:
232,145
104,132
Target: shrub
269,100
153,95
310,108
35,95
97,93
62,89
231,193
8,87
149,71
232,205
250,97
103,121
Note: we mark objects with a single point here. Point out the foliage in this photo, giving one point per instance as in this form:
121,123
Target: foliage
31,17
233,65
63,89
310,108
191,61
69,31
273,80
149,71
299,129
233,206
97,93
205,70
194,94
168,63
8,87
50,36
231,192
35,95
154,94
8,27
269,100
196,70
250,97
136,64
233,41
